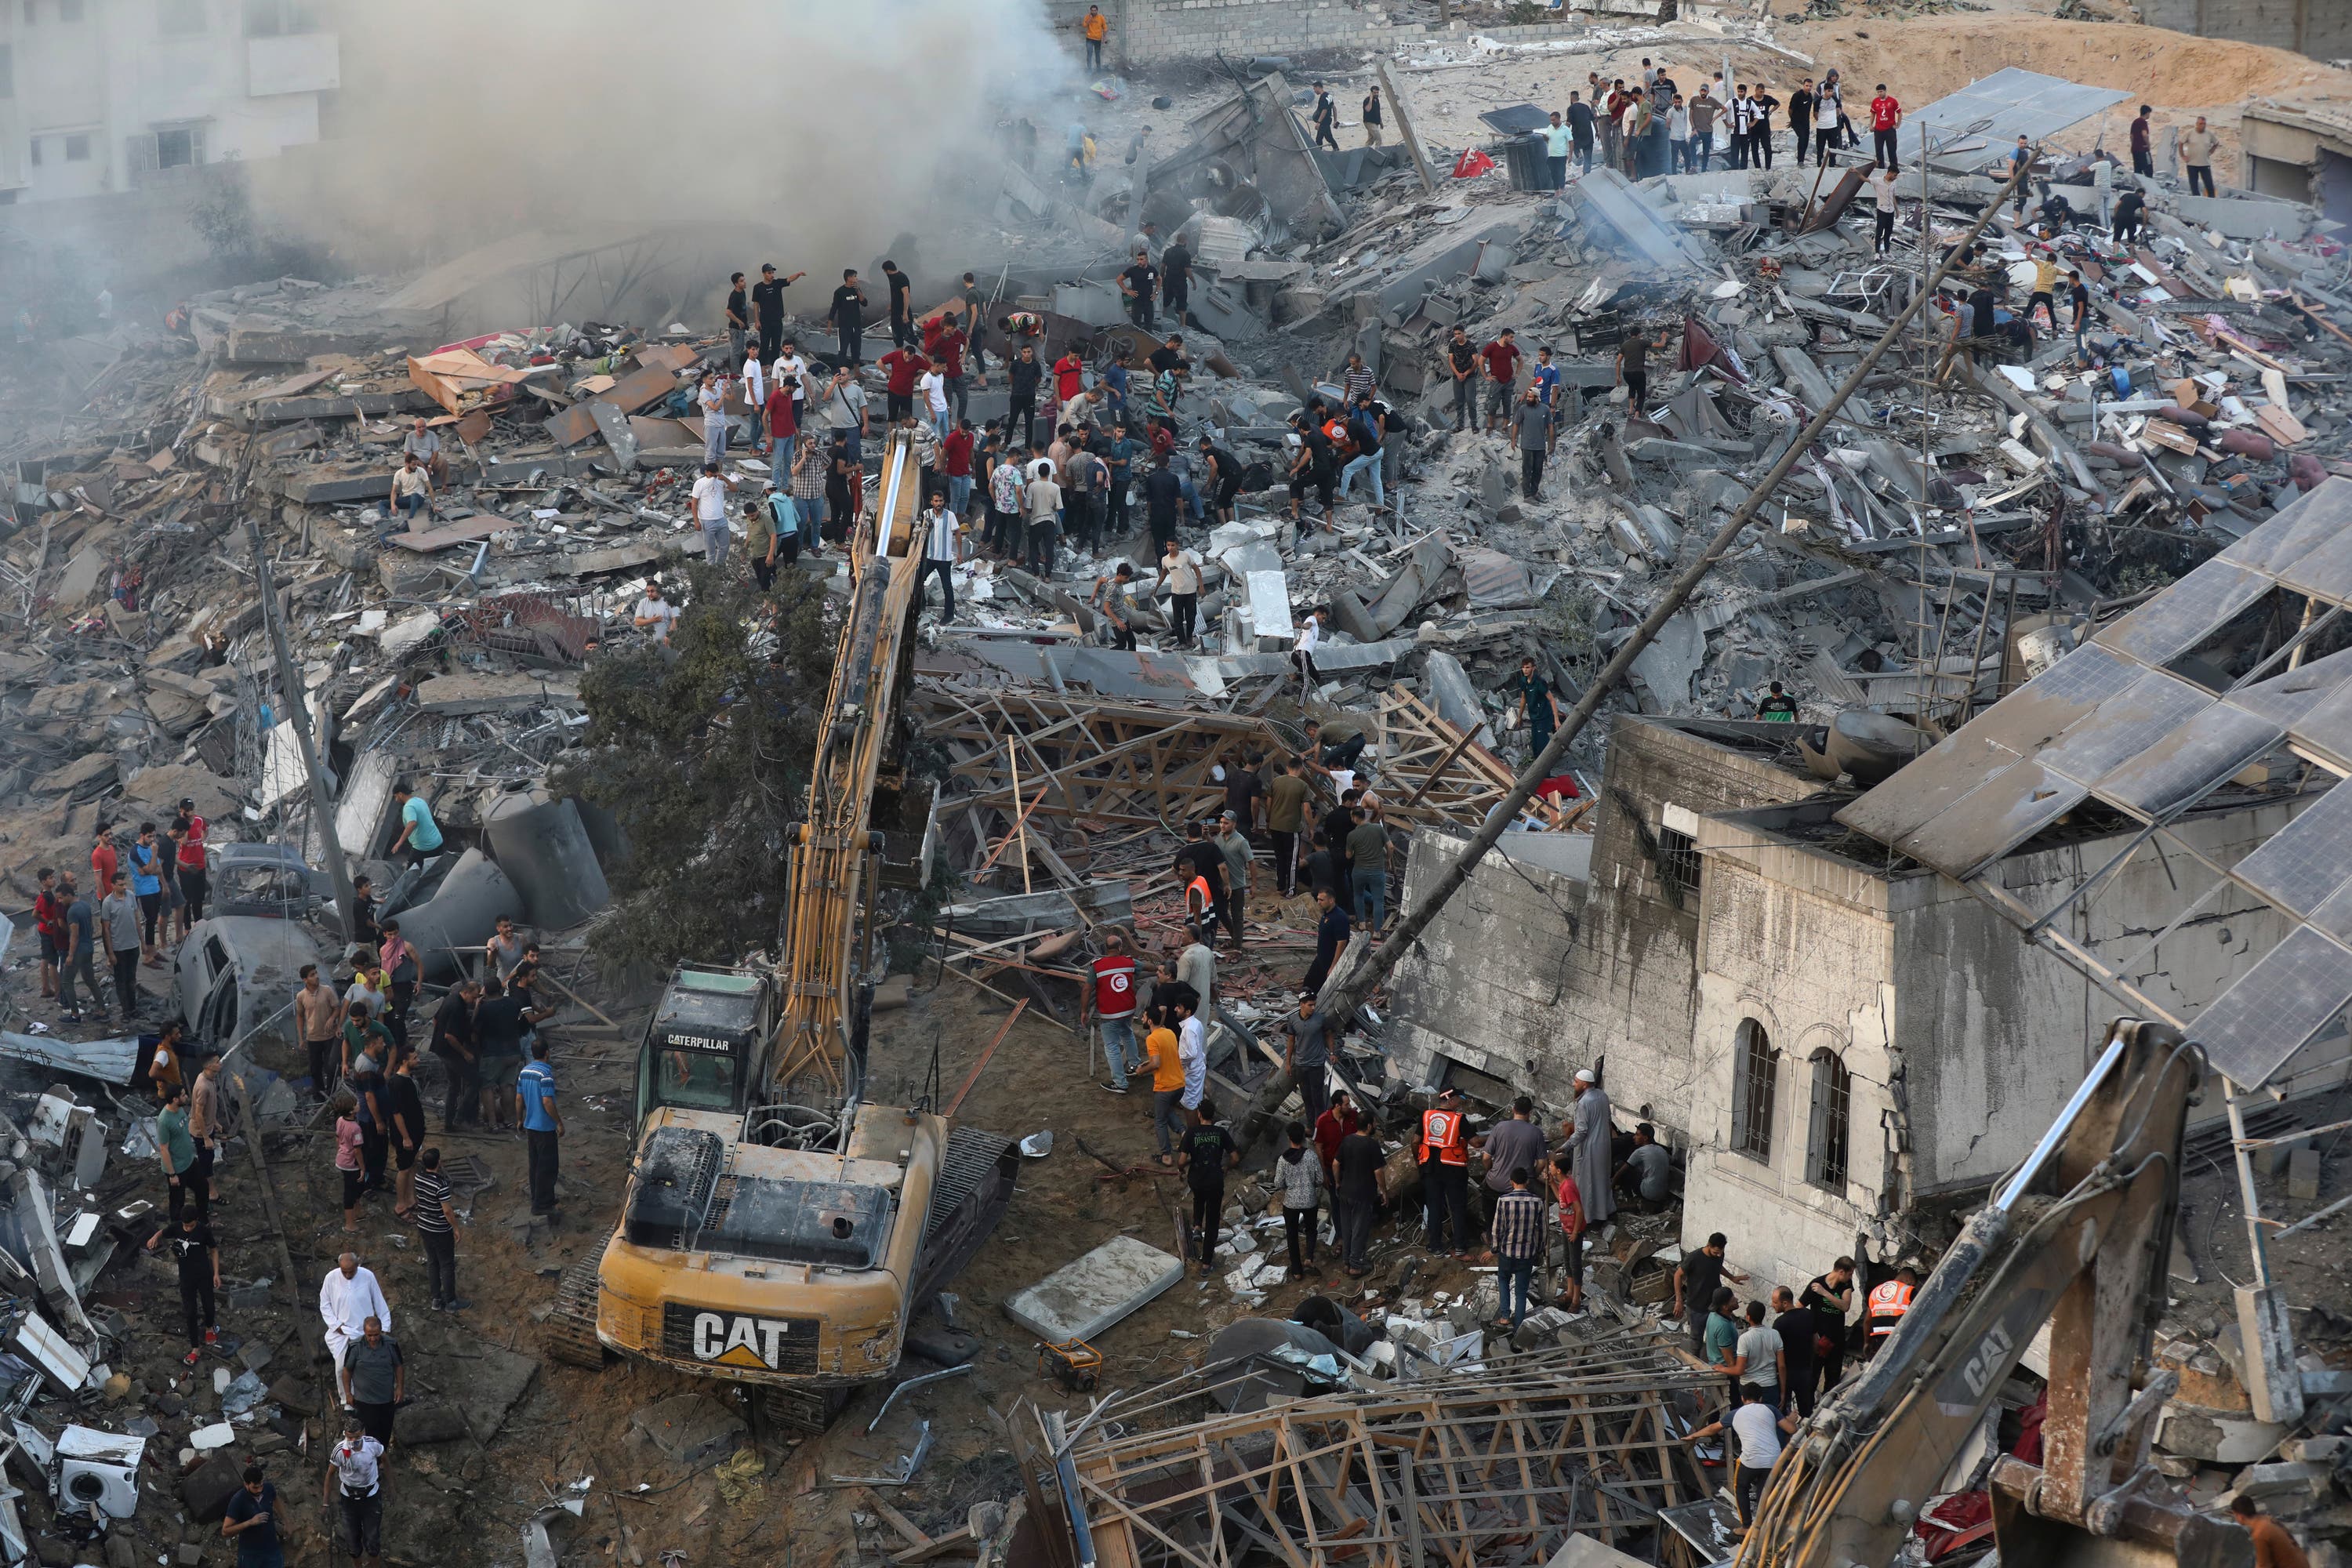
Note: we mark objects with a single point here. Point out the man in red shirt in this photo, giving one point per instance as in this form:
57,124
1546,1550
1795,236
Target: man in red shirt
949,351
1502,357
955,462
195,865
783,430
1571,1225
49,922
1886,114
904,367
1110,1002
1069,375
102,858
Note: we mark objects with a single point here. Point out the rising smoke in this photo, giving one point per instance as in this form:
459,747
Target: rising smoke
830,123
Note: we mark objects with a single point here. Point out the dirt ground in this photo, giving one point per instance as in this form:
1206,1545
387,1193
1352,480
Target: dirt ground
1920,58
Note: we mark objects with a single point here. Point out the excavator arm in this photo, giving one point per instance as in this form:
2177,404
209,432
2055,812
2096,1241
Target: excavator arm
815,1061
2080,1237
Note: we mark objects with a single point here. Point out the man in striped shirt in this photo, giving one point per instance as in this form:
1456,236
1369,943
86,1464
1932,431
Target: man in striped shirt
1357,379
1517,1239
437,1225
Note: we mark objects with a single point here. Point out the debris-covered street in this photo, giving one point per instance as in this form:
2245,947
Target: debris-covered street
1167,783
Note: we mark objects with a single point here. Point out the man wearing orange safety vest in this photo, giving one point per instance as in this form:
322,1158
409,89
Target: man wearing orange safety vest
1887,1304
1444,1155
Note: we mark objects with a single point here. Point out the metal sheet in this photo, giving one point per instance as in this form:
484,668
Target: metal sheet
2005,105
2187,613
109,1061
2277,1008
2303,863
2180,767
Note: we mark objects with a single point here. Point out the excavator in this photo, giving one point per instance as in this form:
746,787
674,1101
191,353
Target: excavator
2078,1236
778,1230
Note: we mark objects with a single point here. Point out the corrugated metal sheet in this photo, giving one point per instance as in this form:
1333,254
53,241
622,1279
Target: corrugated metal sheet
2000,109
109,1061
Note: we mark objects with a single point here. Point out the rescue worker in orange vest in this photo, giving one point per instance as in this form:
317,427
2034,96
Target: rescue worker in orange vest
1887,1304
1445,1153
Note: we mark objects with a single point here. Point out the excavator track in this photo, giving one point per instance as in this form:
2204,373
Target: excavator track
975,1183
569,1335
801,1412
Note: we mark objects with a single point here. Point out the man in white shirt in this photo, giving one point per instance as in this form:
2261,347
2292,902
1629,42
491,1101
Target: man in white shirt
942,536
755,382
710,511
713,401
355,1491
933,389
348,1298
1302,652
1192,1050
790,373
655,614
1882,194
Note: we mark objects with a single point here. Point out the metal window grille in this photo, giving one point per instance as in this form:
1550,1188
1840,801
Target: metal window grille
1755,1084
1825,1153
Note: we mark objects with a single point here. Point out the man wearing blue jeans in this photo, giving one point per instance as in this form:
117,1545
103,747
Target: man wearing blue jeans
1363,429
1110,1000
1517,1239
412,488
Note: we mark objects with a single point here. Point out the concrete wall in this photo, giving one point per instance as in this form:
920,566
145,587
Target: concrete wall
1961,1037
2320,28
1804,946
1505,982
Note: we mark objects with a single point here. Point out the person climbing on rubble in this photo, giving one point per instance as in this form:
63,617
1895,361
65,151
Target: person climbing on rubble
1634,367
2045,297
1364,431
412,490
420,835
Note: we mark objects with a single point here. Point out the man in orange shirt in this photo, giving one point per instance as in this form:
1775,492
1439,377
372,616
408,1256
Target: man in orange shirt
2274,1547
1095,26
102,858
1167,1083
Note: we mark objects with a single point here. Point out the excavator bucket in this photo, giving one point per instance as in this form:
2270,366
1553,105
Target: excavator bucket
2149,1534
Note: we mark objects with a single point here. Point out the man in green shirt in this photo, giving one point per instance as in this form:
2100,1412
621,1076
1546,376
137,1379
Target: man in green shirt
1537,706
1367,877
1779,708
1286,818
420,835
1722,1338
176,1148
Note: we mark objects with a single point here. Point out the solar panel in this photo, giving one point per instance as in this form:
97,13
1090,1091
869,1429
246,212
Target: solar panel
2187,613
2288,696
2018,725
2300,864
2124,725
2179,767
2302,524
2334,916
2325,571
1993,819
2276,1008
2326,730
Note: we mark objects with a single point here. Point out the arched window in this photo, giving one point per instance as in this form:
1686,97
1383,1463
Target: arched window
1826,1148
1755,1078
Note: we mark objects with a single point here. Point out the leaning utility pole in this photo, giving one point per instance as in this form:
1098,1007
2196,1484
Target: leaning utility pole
1361,984
298,713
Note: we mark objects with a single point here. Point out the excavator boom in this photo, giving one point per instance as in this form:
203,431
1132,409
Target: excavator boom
2079,1237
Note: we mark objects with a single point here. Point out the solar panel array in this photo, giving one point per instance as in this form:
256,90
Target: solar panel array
2110,722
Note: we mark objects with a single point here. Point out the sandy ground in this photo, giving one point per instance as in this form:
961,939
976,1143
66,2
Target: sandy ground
1920,59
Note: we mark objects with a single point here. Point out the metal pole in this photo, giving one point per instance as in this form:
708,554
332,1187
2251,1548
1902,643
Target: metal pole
322,799
1341,997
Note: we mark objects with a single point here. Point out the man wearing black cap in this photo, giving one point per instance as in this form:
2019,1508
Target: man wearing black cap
768,302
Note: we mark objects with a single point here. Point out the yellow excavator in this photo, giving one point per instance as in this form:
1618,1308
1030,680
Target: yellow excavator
2079,1237
777,1229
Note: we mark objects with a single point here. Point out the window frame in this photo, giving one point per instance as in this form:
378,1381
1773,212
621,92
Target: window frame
1828,1139
1754,1058
1678,866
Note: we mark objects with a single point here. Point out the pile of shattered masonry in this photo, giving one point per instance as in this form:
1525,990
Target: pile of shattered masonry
1977,498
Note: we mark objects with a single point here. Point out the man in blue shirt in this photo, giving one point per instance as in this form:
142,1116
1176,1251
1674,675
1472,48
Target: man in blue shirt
420,835
541,1126
1124,450
1557,140
252,1522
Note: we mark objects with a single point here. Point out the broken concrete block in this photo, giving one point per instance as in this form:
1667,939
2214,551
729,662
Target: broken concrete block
2303,1174
205,1492
690,1429
418,1424
450,695
2289,1476
2217,1439
1456,699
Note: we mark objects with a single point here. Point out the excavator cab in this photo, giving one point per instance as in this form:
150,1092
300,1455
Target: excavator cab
700,1044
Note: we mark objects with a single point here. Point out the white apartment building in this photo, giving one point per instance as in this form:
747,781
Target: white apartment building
103,95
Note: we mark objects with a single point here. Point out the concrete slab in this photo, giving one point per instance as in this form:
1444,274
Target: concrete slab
1666,666
690,1429
1451,693
1086,1297
2237,219
1269,602
456,694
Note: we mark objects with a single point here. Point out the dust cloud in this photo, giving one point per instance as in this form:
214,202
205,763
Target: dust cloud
830,124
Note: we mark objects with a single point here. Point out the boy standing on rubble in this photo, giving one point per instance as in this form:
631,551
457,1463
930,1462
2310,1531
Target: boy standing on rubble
196,1253
1502,357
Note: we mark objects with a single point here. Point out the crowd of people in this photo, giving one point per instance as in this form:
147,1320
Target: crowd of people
141,896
